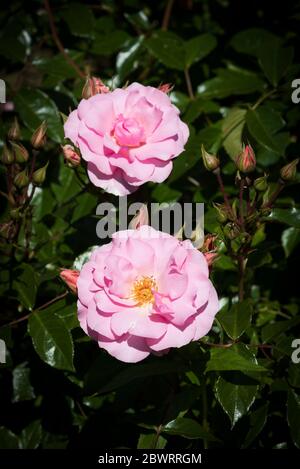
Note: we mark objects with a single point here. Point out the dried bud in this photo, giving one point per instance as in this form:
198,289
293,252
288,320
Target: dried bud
246,161
39,175
141,218
93,86
21,153
71,156
261,184
14,130
222,212
7,156
21,180
288,172
209,248
211,162
166,88
70,278
211,257
38,138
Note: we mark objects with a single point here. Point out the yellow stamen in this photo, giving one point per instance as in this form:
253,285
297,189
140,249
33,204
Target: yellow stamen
143,290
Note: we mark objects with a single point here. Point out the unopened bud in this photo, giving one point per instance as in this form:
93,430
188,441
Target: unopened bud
261,184
71,156
288,172
93,86
7,156
222,212
16,213
166,87
14,132
21,180
211,162
70,277
140,219
246,161
39,175
231,231
38,138
21,153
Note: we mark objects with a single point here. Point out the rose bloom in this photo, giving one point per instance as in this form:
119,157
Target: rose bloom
145,292
127,137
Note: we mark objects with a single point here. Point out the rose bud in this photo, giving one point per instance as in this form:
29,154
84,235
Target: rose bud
222,212
21,153
166,88
141,218
21,180
70,278
93,86
211,162
246,161
72,158
261,184
7,156
39,175
14,131
38,138
288,172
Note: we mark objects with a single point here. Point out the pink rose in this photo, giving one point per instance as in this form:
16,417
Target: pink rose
145,292
127,137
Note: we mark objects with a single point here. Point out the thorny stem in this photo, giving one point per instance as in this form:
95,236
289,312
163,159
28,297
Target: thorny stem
189,83
167,15
58,42
45,305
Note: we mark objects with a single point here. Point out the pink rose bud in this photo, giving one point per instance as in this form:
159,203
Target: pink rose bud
210,257
93,86
70,278
246,161
71,156
166,88
14,132
141,218
288,172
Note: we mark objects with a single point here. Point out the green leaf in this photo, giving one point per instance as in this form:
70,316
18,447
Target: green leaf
294,375
258,419
236,393
67,185
187,428
127,58
290,238
66,312
293,416
200,106
168,48
51,340
31,436
232,130
251,40
8,440
289,216
56,67
237,319
85,206
228,82
26,285
151,441
199,47
237,357
80,19
34,106
163,193
109,43
262,124
272,330
22,389
275,60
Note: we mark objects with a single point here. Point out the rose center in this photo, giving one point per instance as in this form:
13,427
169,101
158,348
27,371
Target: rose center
143,290
128,132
